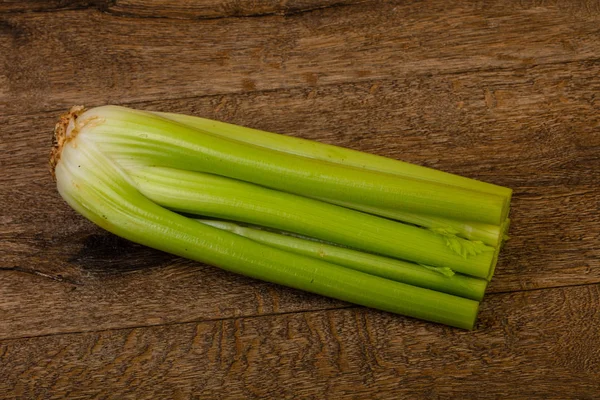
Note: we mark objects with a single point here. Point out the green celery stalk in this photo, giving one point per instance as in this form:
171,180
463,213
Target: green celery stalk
225,198
97,187
335,154
389,268
132,136
487,233
490,235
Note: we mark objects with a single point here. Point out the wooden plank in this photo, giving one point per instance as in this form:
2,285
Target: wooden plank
225,8
112,297
52,63
537,135
219,8
539,344
196,9
498,126
199,9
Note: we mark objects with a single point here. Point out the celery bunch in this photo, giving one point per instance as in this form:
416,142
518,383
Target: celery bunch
354,226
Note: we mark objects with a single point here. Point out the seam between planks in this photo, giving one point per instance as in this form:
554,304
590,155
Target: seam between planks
105,8
200,321
268,315
525,290
282,13
68,7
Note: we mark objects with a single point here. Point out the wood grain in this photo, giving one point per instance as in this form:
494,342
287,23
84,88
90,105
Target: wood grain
20,6
57,59
193,9
504,91
202,9
183,9
538,344
189,9
534,130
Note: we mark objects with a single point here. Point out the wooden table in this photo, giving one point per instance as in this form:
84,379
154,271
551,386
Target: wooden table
506,91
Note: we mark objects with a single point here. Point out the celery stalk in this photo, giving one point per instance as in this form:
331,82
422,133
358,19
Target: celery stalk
97,187
397,270
131,172
225,198
487,233
335,154
491,235
132,136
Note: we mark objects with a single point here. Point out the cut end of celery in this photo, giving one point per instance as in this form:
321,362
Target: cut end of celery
505,235
64,131
474,322
494,263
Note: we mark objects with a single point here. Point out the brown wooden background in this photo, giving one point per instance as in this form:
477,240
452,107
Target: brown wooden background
504,91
